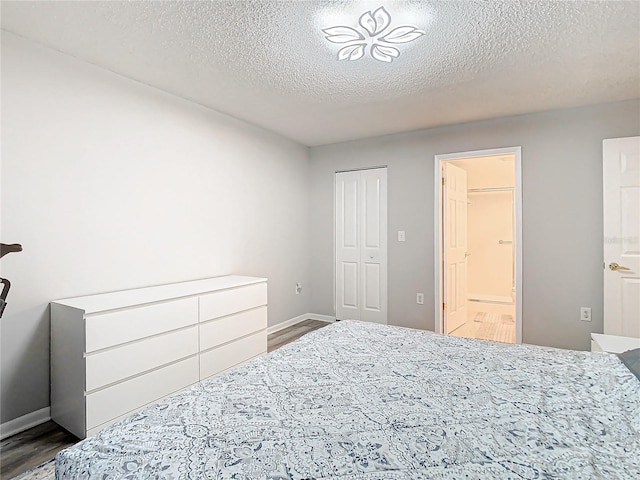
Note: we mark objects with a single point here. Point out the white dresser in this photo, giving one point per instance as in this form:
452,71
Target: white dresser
613,343
113,353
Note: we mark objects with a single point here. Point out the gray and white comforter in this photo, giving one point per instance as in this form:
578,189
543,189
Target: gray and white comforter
364,401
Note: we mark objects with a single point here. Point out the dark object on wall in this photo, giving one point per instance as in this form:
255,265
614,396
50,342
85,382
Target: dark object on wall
6,284
9,248
631,359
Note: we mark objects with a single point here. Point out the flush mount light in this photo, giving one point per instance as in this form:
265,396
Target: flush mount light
373,35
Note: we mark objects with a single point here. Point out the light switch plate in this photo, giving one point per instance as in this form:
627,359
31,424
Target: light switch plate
401,236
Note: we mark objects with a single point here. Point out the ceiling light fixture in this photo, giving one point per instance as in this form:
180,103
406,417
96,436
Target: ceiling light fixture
374,34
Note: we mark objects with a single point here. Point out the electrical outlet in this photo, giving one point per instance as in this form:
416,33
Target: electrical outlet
585,314
298,288
420,298
401,236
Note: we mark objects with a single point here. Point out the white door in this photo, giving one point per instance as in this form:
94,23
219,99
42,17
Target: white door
348,242
455,247
361,245
621,159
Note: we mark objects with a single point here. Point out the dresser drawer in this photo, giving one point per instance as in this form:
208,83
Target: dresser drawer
93,431
224,357
111,402
110,329
225,329
226,302
109,366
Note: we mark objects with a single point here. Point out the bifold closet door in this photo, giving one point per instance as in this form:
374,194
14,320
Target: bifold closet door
361,245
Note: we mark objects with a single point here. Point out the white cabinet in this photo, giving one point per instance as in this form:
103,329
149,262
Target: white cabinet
613,343
114,353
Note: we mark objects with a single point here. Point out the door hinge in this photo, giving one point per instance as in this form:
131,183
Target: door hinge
444,181
444,306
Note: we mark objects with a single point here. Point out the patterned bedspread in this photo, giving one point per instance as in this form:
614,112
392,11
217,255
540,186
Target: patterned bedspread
363,401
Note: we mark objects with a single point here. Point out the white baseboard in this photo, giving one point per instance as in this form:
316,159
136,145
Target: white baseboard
24,422
287,323
298,319
321,318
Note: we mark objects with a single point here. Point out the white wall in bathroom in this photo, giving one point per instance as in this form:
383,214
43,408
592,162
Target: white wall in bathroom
490,265
489,220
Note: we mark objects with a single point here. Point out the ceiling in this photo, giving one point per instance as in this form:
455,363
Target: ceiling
267,62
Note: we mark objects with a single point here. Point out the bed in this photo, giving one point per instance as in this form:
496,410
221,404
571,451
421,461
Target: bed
363,401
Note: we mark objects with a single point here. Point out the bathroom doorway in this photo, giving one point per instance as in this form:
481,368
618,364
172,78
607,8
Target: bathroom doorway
478,248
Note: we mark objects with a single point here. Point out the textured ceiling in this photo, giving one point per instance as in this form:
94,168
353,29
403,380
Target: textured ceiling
267,62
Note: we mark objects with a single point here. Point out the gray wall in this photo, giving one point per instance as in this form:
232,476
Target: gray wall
110,184
562,214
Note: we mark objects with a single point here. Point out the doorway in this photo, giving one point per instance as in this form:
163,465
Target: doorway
478,245
361,245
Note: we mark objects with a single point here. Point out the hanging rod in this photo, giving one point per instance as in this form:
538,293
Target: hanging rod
492,189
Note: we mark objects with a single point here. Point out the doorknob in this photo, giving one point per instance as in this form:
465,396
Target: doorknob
466,254
614,266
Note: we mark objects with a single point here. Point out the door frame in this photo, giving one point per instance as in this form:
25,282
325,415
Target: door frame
437,251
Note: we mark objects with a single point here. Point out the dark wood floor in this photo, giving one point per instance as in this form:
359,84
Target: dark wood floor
40,444
32,447
289,334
